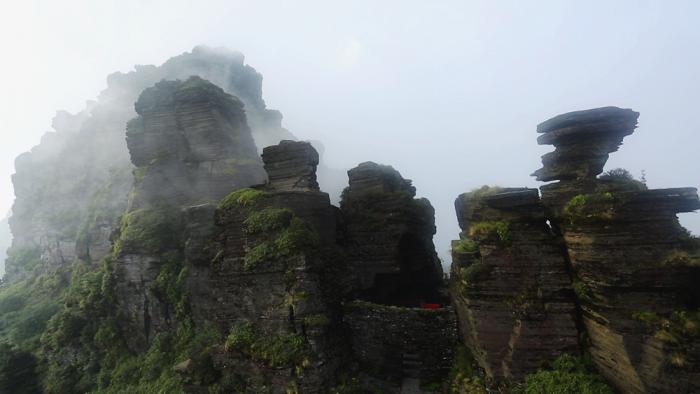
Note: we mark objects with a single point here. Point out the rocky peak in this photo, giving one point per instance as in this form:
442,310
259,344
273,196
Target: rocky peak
191,143
635,269
582,140
390,237
370,177
291,166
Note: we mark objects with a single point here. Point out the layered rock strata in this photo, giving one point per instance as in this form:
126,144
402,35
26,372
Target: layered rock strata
291,165
389,237
636,269
190,144
71,188
257,268
510,284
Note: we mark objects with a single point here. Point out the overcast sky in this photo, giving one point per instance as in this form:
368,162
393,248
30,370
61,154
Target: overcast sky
448,92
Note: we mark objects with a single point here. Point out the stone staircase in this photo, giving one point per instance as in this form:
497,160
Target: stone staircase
411,366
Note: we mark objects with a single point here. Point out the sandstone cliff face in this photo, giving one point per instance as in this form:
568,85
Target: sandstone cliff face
258,268
510,284
72,187
190,144
636,269
390,238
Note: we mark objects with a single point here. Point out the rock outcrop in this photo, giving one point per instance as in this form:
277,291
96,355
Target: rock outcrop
258,268
390,238
71,188
510,283
190,144
636,269
291,165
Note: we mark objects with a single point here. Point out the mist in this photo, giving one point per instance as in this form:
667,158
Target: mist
449,94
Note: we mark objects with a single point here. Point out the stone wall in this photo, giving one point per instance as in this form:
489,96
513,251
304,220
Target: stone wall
393,342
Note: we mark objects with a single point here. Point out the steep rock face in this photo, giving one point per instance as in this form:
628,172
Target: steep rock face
190,144
72,187
389,237
258,269
636,269
291,165
510,284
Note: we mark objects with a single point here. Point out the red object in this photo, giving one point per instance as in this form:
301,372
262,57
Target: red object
430,306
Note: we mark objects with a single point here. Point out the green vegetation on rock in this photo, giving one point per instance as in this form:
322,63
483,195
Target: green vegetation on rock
596,206
476,196
275,350
582,291
568,375
492,230
241,198
148,230
622,177
285,236
463,378
678,328
466,246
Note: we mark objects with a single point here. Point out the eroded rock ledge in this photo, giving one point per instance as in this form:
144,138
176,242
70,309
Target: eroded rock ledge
632,268
510,283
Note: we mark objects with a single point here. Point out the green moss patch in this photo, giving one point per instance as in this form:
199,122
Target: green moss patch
282,241
150,230
241,198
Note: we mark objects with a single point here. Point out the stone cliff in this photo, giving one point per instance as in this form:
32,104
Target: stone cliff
182,260
69,194
598,265
636,269
190,144
390,238
510,283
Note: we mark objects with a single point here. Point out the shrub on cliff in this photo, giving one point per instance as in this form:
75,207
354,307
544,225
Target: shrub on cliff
18,371
569,375
624,178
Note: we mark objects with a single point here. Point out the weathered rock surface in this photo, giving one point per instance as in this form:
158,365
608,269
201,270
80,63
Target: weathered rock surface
259,264
583,140
390,237
72,187
190,143
291,165
510,284
636,269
